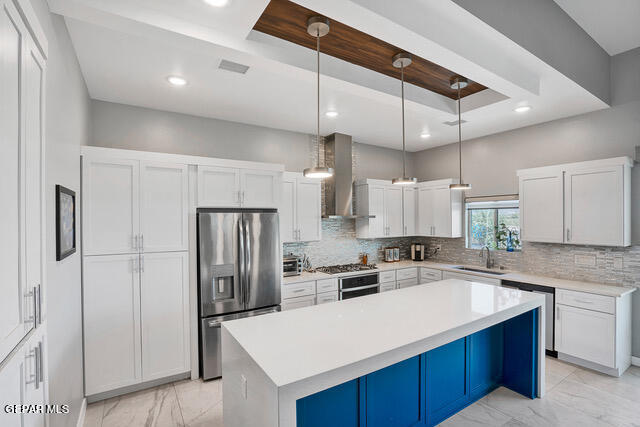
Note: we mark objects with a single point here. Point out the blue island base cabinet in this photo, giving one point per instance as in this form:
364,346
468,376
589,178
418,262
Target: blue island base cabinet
431,387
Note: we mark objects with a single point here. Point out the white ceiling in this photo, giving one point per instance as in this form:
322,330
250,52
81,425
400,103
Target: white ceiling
613,24
127,48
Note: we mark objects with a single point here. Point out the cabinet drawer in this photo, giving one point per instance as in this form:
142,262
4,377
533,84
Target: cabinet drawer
430,274
595,302
299,302
407,283
387,276
389,286
298,290
327,297
407,273
326,285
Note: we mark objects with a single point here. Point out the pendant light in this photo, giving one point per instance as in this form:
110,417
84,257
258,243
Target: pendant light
318,26
458,82
401,60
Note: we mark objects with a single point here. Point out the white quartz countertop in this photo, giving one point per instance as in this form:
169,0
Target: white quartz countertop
296,345
574,285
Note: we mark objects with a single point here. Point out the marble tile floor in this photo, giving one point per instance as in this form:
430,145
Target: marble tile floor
575,397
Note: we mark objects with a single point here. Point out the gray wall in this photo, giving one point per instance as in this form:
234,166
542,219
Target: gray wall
144,129
489,163
544,29
67,128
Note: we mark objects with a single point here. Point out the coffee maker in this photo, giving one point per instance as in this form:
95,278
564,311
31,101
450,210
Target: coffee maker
417,252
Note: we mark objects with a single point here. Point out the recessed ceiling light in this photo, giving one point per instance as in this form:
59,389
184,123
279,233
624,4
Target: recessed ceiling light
176,80
216,3
331,114
425,135
522,109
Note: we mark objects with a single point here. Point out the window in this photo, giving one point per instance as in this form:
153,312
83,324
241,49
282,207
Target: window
493,222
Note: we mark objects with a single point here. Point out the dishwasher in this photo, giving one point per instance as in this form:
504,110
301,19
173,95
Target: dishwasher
549,309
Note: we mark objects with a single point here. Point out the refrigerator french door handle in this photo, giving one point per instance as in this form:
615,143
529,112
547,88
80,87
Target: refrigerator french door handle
241,261
247,248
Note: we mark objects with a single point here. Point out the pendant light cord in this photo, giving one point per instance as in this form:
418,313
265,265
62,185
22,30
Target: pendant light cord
318,92
404,155
459,133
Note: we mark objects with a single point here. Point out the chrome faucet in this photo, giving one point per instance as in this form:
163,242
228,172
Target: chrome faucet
490,262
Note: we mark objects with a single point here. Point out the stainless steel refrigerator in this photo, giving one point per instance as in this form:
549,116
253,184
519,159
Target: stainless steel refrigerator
239,273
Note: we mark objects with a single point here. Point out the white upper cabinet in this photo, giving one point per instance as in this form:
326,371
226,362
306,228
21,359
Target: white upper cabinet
163,207
260,189
587,203
439,209
300,209
218,187
541,206
595,206
22,80
379,204
134,206
110,215
409,210
309,210
393,210
235,187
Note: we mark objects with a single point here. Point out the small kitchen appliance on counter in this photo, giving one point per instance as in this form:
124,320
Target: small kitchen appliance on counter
291,265
392,254
417,252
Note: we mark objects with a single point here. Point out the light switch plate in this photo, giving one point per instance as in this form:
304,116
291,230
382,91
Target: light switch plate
585,260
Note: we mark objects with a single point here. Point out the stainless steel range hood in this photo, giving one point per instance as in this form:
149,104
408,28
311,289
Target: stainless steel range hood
339,188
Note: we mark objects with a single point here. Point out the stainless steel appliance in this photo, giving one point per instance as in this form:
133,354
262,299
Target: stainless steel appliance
417,252
549,309
358,286
291,265
239,273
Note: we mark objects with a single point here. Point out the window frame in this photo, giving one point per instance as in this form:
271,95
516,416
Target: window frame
494,203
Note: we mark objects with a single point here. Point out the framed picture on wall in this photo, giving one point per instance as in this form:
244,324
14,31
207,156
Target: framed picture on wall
65,222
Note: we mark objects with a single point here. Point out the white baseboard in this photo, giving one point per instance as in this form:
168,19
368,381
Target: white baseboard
83,412
635,361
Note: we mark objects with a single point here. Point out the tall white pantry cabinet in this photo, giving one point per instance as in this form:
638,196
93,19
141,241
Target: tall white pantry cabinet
135,271
23,350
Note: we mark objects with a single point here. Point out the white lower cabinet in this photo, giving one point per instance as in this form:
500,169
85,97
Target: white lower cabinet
22,382
111,322
135,319
164,317
598,345
388,286
594,330
298,302
428,275
326,297
406,283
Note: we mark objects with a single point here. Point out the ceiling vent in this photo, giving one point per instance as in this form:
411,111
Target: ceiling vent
234,67
454,122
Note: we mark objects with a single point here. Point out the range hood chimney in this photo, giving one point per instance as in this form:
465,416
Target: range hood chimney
338,189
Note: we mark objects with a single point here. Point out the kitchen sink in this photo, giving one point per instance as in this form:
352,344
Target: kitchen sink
479,270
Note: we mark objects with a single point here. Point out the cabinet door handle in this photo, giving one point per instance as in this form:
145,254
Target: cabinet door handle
38,312
40,359
581,301
134,242
142,243
557,313
142,263
568,235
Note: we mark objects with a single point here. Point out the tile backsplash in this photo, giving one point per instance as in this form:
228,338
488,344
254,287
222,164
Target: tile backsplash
616,266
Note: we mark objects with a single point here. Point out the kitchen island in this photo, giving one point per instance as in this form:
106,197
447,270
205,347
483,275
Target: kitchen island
416,355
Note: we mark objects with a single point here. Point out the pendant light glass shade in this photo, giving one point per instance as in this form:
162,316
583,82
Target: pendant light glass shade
458,82
318,26
402,60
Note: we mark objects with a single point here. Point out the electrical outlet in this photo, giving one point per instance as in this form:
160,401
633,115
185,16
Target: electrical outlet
438,247
243,386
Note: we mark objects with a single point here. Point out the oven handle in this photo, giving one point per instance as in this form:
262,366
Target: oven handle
377,285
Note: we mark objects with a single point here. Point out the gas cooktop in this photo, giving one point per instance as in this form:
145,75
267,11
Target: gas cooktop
345,268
